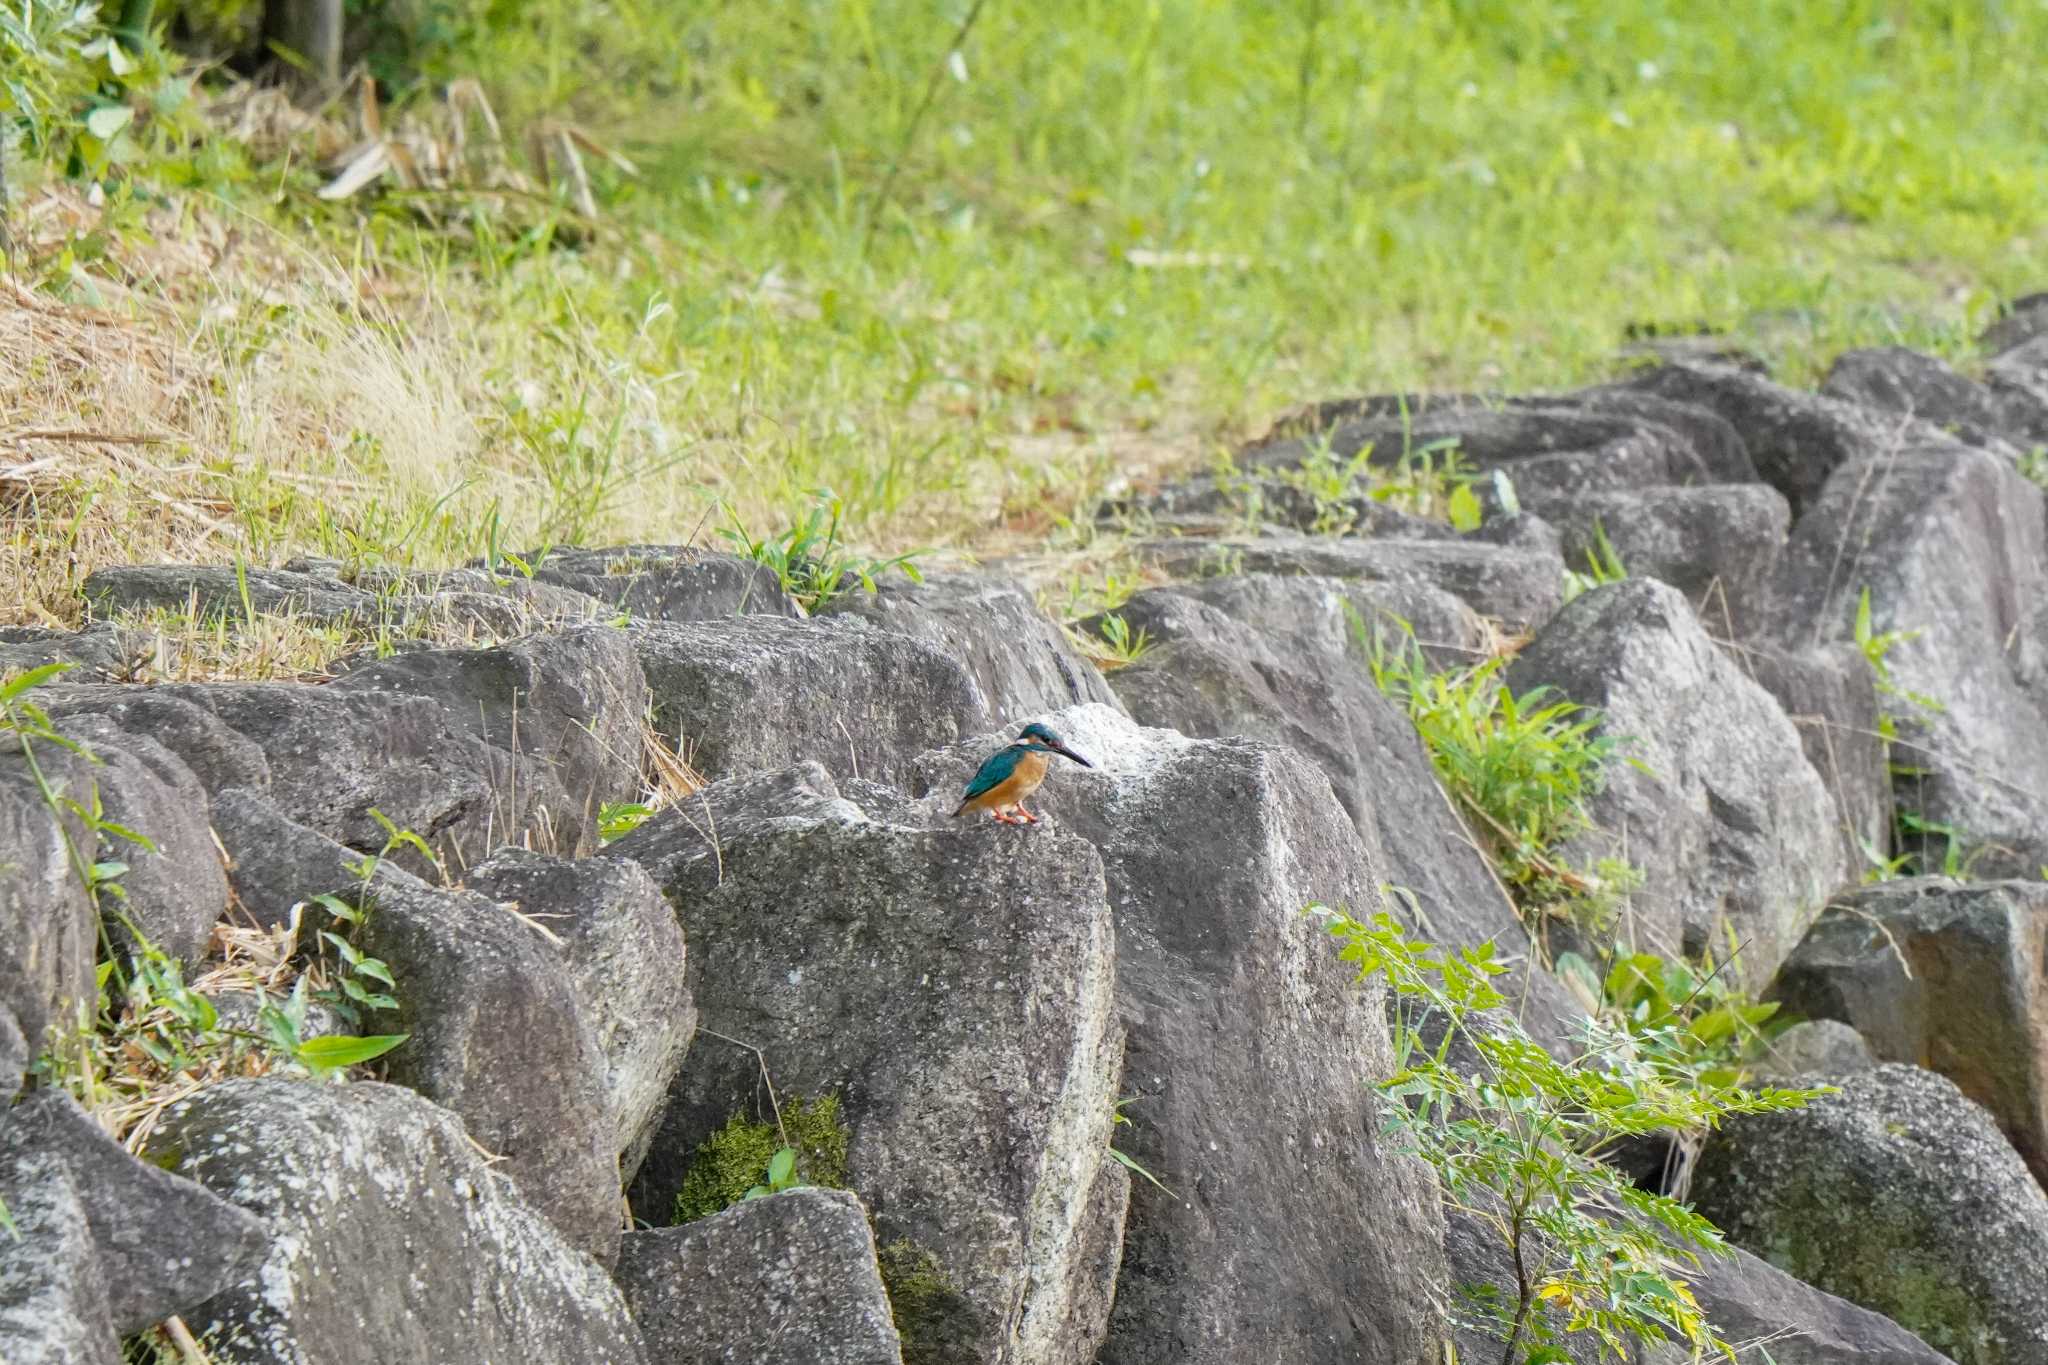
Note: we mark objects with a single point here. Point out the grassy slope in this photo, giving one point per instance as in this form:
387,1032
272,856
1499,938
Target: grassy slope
1434,193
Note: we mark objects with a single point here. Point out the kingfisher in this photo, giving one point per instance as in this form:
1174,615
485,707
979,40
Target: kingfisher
1013,772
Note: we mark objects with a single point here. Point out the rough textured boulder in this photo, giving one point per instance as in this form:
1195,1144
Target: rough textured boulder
1950,546
954,988
625,955
497,1028
161,1242
1724,816
1212,676
786,1280
98,651
1897,1194
1306,617
396,1240
1830,695
1947,976
174,889
1715,544
53,1291
1518,585
571,701
759,692
2019,321
666,582
217,591
1293,1232
1748,1299
2019,379
1895,379
1545,444
682,845
1020,661
1815,1047
49,935
327,757
1796,439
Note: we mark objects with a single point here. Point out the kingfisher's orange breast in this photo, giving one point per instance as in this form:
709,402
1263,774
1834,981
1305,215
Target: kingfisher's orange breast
1030,771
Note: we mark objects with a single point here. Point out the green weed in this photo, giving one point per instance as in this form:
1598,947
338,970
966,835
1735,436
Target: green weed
1517,1146
1115,644
1603,566
810,562
1523,766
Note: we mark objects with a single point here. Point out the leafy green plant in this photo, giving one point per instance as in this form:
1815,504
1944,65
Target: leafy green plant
808,559
744,1159
1603,566
362,982
1524,766
1705,1023
617,819
1116,643
781,1175
1517,1145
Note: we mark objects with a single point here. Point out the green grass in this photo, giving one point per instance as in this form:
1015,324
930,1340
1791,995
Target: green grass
1439,193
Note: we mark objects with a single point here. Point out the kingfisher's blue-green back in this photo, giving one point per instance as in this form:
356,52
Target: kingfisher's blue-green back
997,769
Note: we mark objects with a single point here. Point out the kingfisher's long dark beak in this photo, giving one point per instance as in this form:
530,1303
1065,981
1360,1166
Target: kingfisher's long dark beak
1060,747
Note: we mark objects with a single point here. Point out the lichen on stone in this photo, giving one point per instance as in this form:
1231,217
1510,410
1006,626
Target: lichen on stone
735,1159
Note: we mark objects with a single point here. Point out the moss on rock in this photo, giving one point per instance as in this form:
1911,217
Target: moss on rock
935,1320
735,1159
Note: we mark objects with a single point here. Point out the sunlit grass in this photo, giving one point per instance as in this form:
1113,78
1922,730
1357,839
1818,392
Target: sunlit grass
1124,236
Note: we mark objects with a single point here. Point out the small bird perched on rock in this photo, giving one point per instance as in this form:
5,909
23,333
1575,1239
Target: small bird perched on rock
1013,772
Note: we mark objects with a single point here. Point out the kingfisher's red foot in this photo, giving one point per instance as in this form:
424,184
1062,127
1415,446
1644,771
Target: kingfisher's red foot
1028,816
1004,819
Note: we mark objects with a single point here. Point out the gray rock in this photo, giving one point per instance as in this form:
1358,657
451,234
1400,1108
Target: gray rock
1219,504
330,756
1304,617
49,932
2018,379
212,592
1829,693
1724,816
395,1240
1293,1231
175,888
682,845
218,755
786,1280
53,1292
1546,444
1796,439
14,1049
504,603
1020,661
1950,547
571,701
162,1243
99,650
1715,544
497,1028
2020,321
625,955
1748,1299
954,989
1816,1047
1950,977
1213,677
761,692
1518,586
666,582
1899,1195
1895,379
